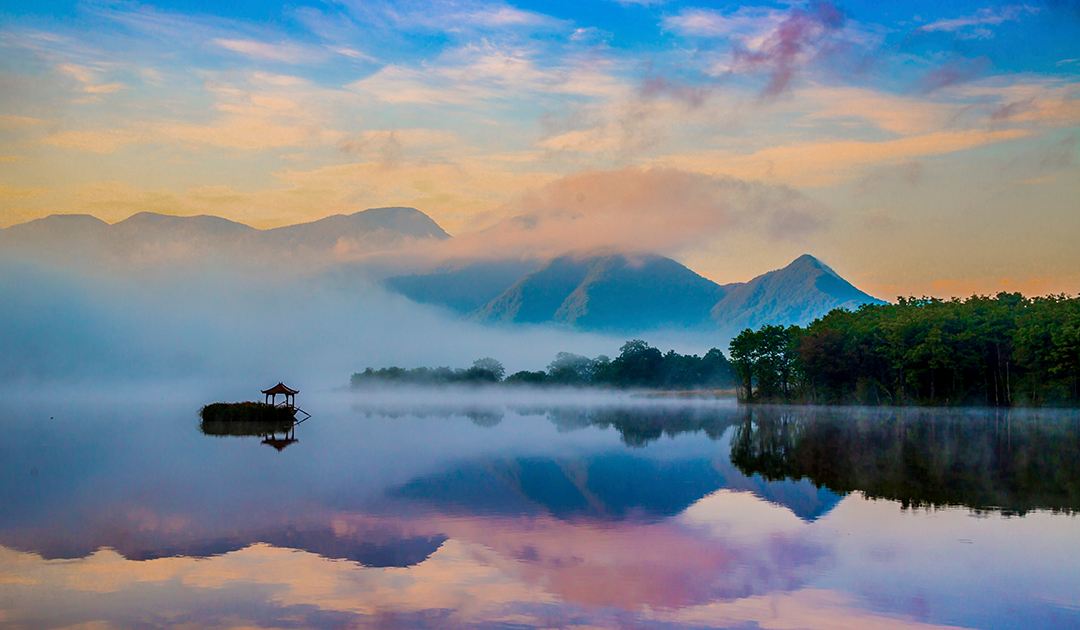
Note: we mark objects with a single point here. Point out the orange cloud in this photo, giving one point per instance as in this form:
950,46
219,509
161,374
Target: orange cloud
637,210
829,162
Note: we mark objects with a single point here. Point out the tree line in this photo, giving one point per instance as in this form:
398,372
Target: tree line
999,351
638,365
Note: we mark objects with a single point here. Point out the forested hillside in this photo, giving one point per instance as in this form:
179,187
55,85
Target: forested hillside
1000,351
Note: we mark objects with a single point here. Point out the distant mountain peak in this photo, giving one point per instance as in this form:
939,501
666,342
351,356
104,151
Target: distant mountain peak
808,263
72,218
391,210
159,219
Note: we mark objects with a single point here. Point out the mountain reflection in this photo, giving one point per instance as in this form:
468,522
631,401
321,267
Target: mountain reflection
1011,461
613,515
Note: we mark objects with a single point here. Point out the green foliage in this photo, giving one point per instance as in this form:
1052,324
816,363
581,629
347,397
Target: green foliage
574,369
766,361
526,377
998,351
638,365
485,370
227,418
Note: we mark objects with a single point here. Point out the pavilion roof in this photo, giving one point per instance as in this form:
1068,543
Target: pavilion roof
281,388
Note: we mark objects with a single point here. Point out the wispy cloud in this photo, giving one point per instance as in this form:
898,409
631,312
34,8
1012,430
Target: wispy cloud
88,81
745,22
449,16
828,162
977,25
769,41
284,52
261,111
476,73
952,73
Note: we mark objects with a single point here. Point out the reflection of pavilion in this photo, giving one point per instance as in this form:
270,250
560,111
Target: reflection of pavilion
287,438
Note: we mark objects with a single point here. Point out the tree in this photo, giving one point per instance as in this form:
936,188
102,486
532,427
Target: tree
486,369
638,365
571,369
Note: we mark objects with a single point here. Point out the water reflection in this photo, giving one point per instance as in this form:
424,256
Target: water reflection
502,514
267,430
991,460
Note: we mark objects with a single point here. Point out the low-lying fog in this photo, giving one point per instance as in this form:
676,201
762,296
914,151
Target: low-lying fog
71,327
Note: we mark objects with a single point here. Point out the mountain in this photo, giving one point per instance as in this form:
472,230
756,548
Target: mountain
370,226
463,288
151,237
607,292
797,294
631,294
612,292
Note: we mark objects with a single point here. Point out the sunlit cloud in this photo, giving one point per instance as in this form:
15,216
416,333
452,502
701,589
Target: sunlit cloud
639,210
830,162
461,108
88,80
282,51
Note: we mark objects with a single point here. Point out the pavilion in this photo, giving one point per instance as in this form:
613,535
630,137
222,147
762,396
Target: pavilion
281,388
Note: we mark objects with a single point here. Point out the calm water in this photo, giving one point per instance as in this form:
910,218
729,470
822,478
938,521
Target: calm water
441,511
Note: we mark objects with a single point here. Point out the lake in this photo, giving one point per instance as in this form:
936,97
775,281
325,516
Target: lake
443,509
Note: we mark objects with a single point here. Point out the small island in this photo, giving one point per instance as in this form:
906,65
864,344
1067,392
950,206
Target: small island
269,412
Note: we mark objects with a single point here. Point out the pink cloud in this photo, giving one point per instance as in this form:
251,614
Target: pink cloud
783,51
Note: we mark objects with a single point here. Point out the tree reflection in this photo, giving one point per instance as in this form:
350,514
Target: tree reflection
638,426
1001,461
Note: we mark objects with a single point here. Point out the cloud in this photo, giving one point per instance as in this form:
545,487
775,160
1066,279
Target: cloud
284,52
888,112
389,146
457,18
770,41
259,112
952,73
87,79
9,193
787,48
744,22
974,26
639,210
473,74
828,162
10,122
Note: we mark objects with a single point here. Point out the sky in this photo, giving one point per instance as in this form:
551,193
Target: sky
920,148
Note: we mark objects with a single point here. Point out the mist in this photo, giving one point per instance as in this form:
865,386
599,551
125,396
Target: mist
80,326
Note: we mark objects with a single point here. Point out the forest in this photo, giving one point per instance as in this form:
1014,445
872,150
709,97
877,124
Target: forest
999,351
638,365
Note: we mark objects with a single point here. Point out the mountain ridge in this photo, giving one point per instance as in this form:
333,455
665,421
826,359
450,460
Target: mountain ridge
604,291
636,293
151,236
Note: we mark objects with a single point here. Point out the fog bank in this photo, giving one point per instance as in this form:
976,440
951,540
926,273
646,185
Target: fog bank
76,327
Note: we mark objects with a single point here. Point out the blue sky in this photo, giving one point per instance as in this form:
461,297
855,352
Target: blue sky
931,146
